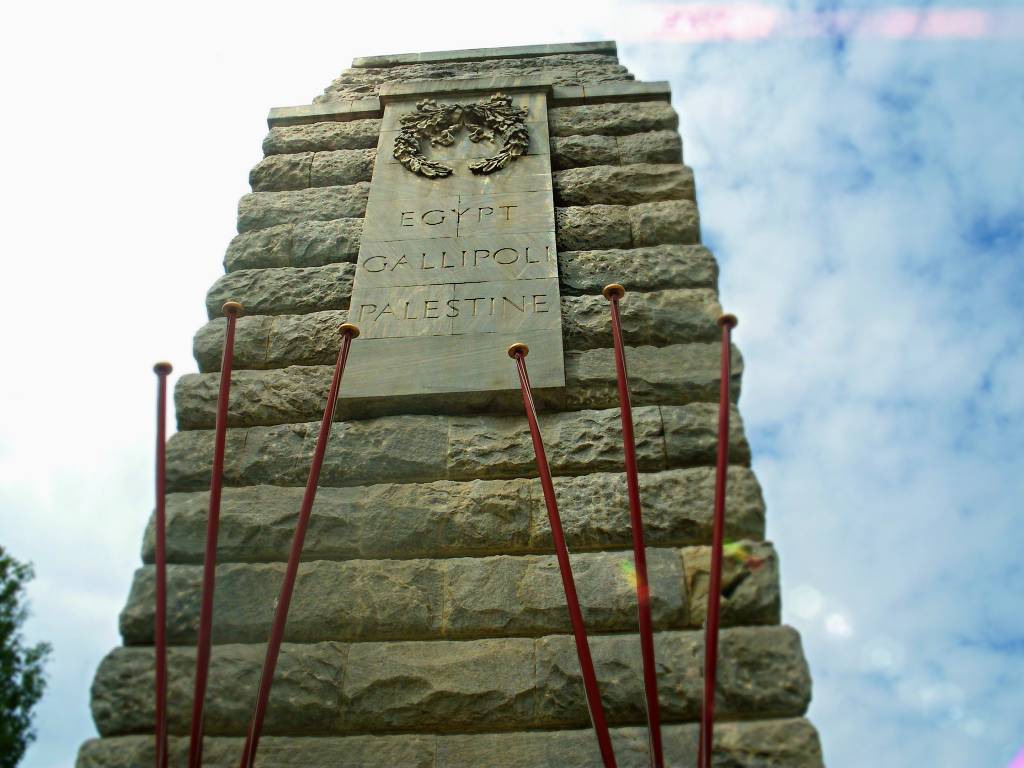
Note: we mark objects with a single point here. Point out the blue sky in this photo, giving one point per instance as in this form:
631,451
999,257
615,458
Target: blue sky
860,184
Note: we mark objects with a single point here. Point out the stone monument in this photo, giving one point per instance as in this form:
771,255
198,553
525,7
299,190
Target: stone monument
450,203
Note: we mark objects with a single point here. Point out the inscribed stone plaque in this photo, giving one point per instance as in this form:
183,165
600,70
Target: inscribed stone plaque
457,259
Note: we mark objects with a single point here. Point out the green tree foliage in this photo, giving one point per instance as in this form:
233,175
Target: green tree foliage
21,668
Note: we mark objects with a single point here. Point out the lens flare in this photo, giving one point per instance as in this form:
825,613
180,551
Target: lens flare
628,571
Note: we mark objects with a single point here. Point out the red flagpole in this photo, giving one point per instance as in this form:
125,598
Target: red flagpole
204,645
707,719
614,293
348,332
162,371
518,352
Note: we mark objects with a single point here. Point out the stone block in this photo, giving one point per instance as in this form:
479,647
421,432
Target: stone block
580,151
650,147
267,209
668,221
750,583
592,226
322,137
278,172
426,448
623,184
283,290
646,269
340,167
444,686
457,519
612,119
784,743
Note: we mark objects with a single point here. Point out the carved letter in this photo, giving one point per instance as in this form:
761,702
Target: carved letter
427,309
402,261
452,307
513,251
507,300
480,212
508,211
405,217
542,303
366,264
477,257
362,310
423,218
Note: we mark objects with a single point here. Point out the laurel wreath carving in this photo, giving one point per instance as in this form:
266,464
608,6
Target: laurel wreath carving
440,122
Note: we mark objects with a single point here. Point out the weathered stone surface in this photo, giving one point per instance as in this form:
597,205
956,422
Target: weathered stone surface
580,151
322,137
345,166
561,69
307,689
350,600
446,685
623,184
275,341
277,173
757,665
750,583
426,448
789,743
267,209
455,598
659,318
593,226
456,519
651,268
307,244
612,119
669,221
284,290
671,375
650,147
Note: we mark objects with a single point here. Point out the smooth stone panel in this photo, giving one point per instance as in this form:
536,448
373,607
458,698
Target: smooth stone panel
780,743
458,260
457,519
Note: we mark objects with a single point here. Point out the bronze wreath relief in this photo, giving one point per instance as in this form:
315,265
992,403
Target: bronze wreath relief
439,123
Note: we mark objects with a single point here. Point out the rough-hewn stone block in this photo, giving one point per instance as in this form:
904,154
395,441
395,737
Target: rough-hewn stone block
592,226
454,598
284,290
275,341
623,184
477,685
307,244
650,147
581,151
750,578
426,448
455,519
277,173
787,743
651,268
669,221
672,375
322,137
612,119
267,209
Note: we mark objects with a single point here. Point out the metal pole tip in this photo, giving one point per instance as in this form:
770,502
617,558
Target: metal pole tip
232,308
518,349
351,329
613,291
162,368
728,321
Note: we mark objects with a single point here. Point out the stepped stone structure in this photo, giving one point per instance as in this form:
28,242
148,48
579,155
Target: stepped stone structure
451,203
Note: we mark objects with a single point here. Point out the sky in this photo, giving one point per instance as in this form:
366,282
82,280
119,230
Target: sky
859,175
